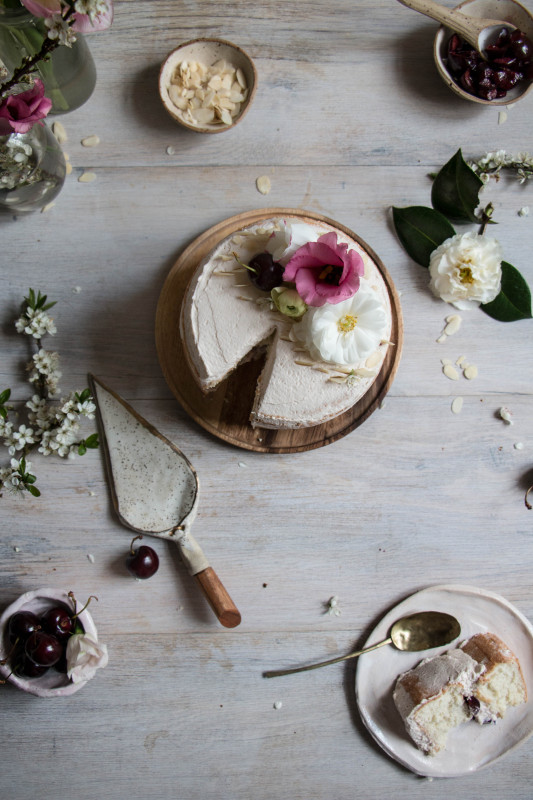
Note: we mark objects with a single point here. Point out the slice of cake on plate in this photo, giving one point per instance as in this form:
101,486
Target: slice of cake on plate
479,680
306,294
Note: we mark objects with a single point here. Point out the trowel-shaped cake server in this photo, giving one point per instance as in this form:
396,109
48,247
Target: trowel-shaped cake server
155,489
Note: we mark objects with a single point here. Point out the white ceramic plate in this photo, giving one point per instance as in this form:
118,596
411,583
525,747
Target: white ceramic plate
470,746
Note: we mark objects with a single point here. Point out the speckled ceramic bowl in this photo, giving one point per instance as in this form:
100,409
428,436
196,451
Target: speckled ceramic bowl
208,52
52,683
506,10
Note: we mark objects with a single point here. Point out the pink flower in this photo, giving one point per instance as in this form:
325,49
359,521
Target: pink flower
82,22
19,112
325,271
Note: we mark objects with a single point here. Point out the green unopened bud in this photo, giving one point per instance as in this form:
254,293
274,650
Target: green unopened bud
288,302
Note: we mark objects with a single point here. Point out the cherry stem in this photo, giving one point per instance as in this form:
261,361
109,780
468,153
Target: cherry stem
526,501
15,643
132,551
77,613
246,266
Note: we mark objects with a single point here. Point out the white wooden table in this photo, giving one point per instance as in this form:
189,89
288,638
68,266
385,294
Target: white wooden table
350,117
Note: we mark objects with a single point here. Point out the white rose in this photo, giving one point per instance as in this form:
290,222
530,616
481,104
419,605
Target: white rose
466,270
285,242
345,333
84,656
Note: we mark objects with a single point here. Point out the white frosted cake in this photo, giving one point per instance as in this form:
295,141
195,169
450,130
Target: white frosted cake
479,680
325,325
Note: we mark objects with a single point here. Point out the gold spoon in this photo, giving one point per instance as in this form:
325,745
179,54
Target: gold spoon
420,631
476,30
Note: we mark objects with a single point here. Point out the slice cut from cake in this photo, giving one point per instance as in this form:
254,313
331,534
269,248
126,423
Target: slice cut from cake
479,680
431,698
501,684
225,319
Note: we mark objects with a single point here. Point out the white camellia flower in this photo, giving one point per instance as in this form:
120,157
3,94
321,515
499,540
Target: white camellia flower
283,243
84,656
345,333
466,270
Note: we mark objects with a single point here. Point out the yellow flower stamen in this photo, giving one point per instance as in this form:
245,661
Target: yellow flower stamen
347,323
465,275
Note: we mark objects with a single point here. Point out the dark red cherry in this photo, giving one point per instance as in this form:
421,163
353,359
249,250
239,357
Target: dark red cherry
43,649
21,625
26,668
58,622
264,272
142,562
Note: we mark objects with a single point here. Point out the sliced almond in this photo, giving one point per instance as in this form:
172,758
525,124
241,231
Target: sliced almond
450,372
454,323
87,177
470,372
59,132
263,184
90,141
457,405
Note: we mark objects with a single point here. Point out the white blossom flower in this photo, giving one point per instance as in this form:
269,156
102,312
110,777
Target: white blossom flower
344,333
35,323
59,29
21,437
465,270
84,656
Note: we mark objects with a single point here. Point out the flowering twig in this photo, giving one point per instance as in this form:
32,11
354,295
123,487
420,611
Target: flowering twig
52,428
492,164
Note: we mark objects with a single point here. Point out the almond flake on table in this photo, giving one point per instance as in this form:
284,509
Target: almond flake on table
453,324
87,177
450,372
90,141
278,704
263,184
518,445
524,211
457,405
47,207
470,372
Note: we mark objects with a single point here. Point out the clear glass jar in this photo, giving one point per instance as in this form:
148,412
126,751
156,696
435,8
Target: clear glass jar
32,170
69,74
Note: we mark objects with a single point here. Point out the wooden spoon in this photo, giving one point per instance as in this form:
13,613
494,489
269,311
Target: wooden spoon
477,31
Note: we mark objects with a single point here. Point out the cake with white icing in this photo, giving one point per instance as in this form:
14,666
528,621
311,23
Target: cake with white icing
325,326
478,680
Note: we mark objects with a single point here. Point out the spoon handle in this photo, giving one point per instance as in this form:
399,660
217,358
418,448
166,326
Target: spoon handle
460,23
277,672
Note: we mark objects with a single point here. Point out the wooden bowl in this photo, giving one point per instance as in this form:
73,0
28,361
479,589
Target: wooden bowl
506,10
207,52
52,683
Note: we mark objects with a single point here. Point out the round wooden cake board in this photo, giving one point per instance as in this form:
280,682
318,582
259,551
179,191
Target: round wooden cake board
225,411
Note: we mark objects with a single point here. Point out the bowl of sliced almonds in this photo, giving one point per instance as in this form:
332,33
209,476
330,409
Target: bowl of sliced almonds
207,85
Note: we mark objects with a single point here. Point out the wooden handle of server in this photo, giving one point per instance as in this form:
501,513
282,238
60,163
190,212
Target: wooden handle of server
218,598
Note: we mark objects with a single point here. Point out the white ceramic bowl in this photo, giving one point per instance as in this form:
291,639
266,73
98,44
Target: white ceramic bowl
506,10
207,51
52,683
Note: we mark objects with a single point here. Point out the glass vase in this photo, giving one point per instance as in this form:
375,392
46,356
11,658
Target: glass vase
32,170
69,74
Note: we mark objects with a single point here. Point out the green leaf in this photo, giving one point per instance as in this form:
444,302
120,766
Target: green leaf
83,396
455,191
29,478
92,441
82,449
514,300
3,412
421,230
34,491
4,396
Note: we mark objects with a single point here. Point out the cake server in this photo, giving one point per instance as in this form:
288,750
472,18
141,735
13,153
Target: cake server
155,489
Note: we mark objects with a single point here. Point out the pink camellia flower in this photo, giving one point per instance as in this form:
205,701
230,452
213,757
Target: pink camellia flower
325,271
84,20
19,112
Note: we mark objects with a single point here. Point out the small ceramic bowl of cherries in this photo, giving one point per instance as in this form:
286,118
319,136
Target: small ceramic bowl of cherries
34,634
504,73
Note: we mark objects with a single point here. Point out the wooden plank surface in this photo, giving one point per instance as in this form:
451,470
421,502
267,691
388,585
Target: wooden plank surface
349,119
